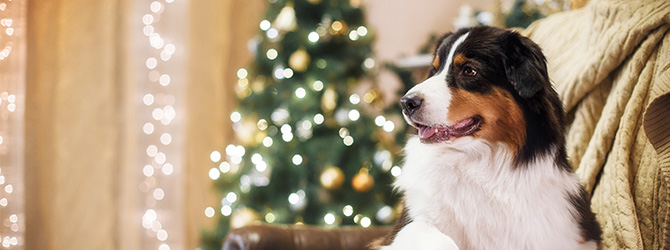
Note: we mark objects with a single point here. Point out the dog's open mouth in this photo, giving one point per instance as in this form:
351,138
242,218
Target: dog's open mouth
445,133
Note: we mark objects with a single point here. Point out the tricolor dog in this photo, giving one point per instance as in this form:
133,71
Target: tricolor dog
488,167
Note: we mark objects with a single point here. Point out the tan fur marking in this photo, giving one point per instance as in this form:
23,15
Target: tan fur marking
436,62
502,118
460,59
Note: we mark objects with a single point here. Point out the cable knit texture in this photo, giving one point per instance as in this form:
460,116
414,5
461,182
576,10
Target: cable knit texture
609,60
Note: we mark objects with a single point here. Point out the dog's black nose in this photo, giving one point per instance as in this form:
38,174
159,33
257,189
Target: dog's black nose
411,104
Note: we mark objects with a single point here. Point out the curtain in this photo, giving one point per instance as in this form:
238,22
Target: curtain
96,75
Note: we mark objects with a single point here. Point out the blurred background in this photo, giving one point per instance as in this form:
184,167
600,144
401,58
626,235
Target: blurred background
161,124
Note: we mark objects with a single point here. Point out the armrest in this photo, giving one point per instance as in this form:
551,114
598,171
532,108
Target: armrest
295,237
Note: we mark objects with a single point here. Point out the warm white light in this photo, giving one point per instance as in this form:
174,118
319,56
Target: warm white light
152,150
224,167
395,171
267,142
149,216
256,158
148,128
209,212
297,159
157,114
167,169
354,99
148,170
389,126
214,174
285,129
348,140
279,73
353,35
242,73
9,188
270,217
380,120
288,73
231,197
148,99
215,156
164,80
159,194
162,235
369,63
348,210
272,54
293,198
318,118
365,222
3,202
166,138
147,19
354,115
265,25
165,246
329,218
261,166
287,137
318,85
151,63
155,6
272,33
13,218
313,37
300,92
362,31
226,210
236,116
160,158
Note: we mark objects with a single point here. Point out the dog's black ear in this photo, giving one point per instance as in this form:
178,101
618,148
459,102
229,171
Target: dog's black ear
525,65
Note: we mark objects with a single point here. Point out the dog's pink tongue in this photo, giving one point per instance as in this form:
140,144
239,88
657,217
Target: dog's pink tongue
426,132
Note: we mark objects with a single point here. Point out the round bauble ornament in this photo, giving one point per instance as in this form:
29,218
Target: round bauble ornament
329,100
363,181
299,60
243,217
332,178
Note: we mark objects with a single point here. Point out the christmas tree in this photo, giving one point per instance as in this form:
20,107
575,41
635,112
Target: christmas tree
315,146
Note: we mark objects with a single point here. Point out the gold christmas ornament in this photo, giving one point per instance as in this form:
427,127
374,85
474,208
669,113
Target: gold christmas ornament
363,181
332,178
243,217
299,60
314,1
286,19
329,100
247,132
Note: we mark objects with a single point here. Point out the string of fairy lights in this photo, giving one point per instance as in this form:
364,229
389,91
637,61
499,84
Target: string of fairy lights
158,113
229,160
12,86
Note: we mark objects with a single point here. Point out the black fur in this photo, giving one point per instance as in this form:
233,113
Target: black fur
587,220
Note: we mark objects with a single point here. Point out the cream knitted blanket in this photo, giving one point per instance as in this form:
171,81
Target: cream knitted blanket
608,61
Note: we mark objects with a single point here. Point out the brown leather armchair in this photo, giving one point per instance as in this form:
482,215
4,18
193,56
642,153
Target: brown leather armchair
301,237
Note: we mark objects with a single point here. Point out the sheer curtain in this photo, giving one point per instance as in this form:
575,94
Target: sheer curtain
125,100
12,106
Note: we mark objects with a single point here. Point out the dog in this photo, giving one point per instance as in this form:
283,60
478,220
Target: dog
488,167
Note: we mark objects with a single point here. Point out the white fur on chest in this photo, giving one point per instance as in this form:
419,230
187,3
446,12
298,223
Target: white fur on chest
470,191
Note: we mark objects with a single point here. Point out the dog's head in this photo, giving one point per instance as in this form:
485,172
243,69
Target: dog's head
488,84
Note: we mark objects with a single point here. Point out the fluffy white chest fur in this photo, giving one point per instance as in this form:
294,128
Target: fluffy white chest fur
470,191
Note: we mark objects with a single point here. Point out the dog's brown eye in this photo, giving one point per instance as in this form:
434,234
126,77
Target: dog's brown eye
469,71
